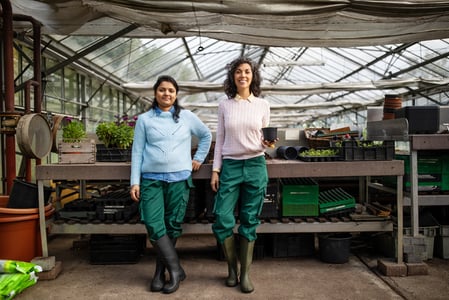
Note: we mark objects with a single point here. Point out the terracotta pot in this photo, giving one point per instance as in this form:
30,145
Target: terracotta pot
22,211
4,200
391,104
20,233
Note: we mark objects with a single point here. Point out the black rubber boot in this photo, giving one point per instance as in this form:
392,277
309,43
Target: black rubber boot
165,248
246,258
159,276
229,251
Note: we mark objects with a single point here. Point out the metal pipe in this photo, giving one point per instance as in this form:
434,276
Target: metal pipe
28,85
8,59
37,58
36,83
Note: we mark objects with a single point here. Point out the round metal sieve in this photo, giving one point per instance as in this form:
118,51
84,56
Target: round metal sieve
34,136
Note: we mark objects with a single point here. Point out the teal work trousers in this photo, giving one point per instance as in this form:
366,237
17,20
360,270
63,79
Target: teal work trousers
245,180
162,206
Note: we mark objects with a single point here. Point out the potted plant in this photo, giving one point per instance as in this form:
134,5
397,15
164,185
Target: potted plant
75,147
117,137
73,131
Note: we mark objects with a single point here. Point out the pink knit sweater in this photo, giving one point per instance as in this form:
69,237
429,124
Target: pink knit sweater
239,134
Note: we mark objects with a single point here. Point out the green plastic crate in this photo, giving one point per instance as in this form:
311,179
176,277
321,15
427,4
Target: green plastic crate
433,171
299,197
445,182
304,209
427,164
334,200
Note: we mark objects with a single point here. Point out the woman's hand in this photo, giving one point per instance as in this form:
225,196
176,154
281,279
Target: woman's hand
214,181
195,165
270,144
135,192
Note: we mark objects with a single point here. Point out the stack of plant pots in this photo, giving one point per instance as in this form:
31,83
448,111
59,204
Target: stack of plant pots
20,231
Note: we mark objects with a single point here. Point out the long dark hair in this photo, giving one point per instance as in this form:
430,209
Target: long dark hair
229,85
166,78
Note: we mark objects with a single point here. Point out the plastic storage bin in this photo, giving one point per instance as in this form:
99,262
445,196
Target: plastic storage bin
116,249
442,242
433,171
421,119
299,197
429,234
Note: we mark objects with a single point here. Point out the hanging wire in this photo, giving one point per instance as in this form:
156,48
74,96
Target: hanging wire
200,48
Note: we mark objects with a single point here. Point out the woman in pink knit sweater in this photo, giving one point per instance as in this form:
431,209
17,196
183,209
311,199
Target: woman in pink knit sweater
239,168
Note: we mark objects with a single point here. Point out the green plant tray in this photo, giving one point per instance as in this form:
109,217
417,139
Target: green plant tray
113,154
334,200
319,158
351,150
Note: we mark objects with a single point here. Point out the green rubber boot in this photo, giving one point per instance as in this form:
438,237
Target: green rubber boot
228,247
246,258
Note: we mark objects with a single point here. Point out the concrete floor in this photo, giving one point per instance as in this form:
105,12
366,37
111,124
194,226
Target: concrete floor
273,278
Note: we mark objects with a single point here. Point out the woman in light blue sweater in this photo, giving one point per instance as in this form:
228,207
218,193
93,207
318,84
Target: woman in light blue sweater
161,168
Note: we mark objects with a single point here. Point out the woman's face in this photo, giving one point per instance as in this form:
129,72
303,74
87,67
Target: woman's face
165,95
243,76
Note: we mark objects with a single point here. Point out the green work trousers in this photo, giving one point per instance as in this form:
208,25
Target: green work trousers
163,206
245,180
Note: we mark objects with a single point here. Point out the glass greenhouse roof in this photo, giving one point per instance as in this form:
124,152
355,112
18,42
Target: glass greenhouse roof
305,85
321,61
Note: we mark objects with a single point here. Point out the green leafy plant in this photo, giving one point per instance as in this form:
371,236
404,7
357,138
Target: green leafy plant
319,152
73,131
117,134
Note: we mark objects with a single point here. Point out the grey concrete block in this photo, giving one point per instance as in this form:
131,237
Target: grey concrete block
47,263
390,268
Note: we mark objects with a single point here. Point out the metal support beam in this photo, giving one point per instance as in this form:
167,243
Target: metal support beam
91,49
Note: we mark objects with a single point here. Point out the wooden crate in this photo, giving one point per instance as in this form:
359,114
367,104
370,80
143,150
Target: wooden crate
322,137
78,152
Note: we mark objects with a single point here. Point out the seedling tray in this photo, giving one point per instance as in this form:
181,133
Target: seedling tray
319,158
364,150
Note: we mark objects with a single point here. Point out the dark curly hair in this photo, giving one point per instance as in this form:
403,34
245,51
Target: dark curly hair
166,78
229,85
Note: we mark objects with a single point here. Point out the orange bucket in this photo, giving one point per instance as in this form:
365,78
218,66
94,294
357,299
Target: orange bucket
20,233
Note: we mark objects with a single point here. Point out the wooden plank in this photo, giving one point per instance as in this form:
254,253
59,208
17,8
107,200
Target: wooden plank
429,142
277,168
76,158
200,228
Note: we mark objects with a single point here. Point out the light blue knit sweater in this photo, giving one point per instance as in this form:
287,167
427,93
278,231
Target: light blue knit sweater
161,145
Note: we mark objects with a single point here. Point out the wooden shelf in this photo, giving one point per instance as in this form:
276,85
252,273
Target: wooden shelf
199,228
277,168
